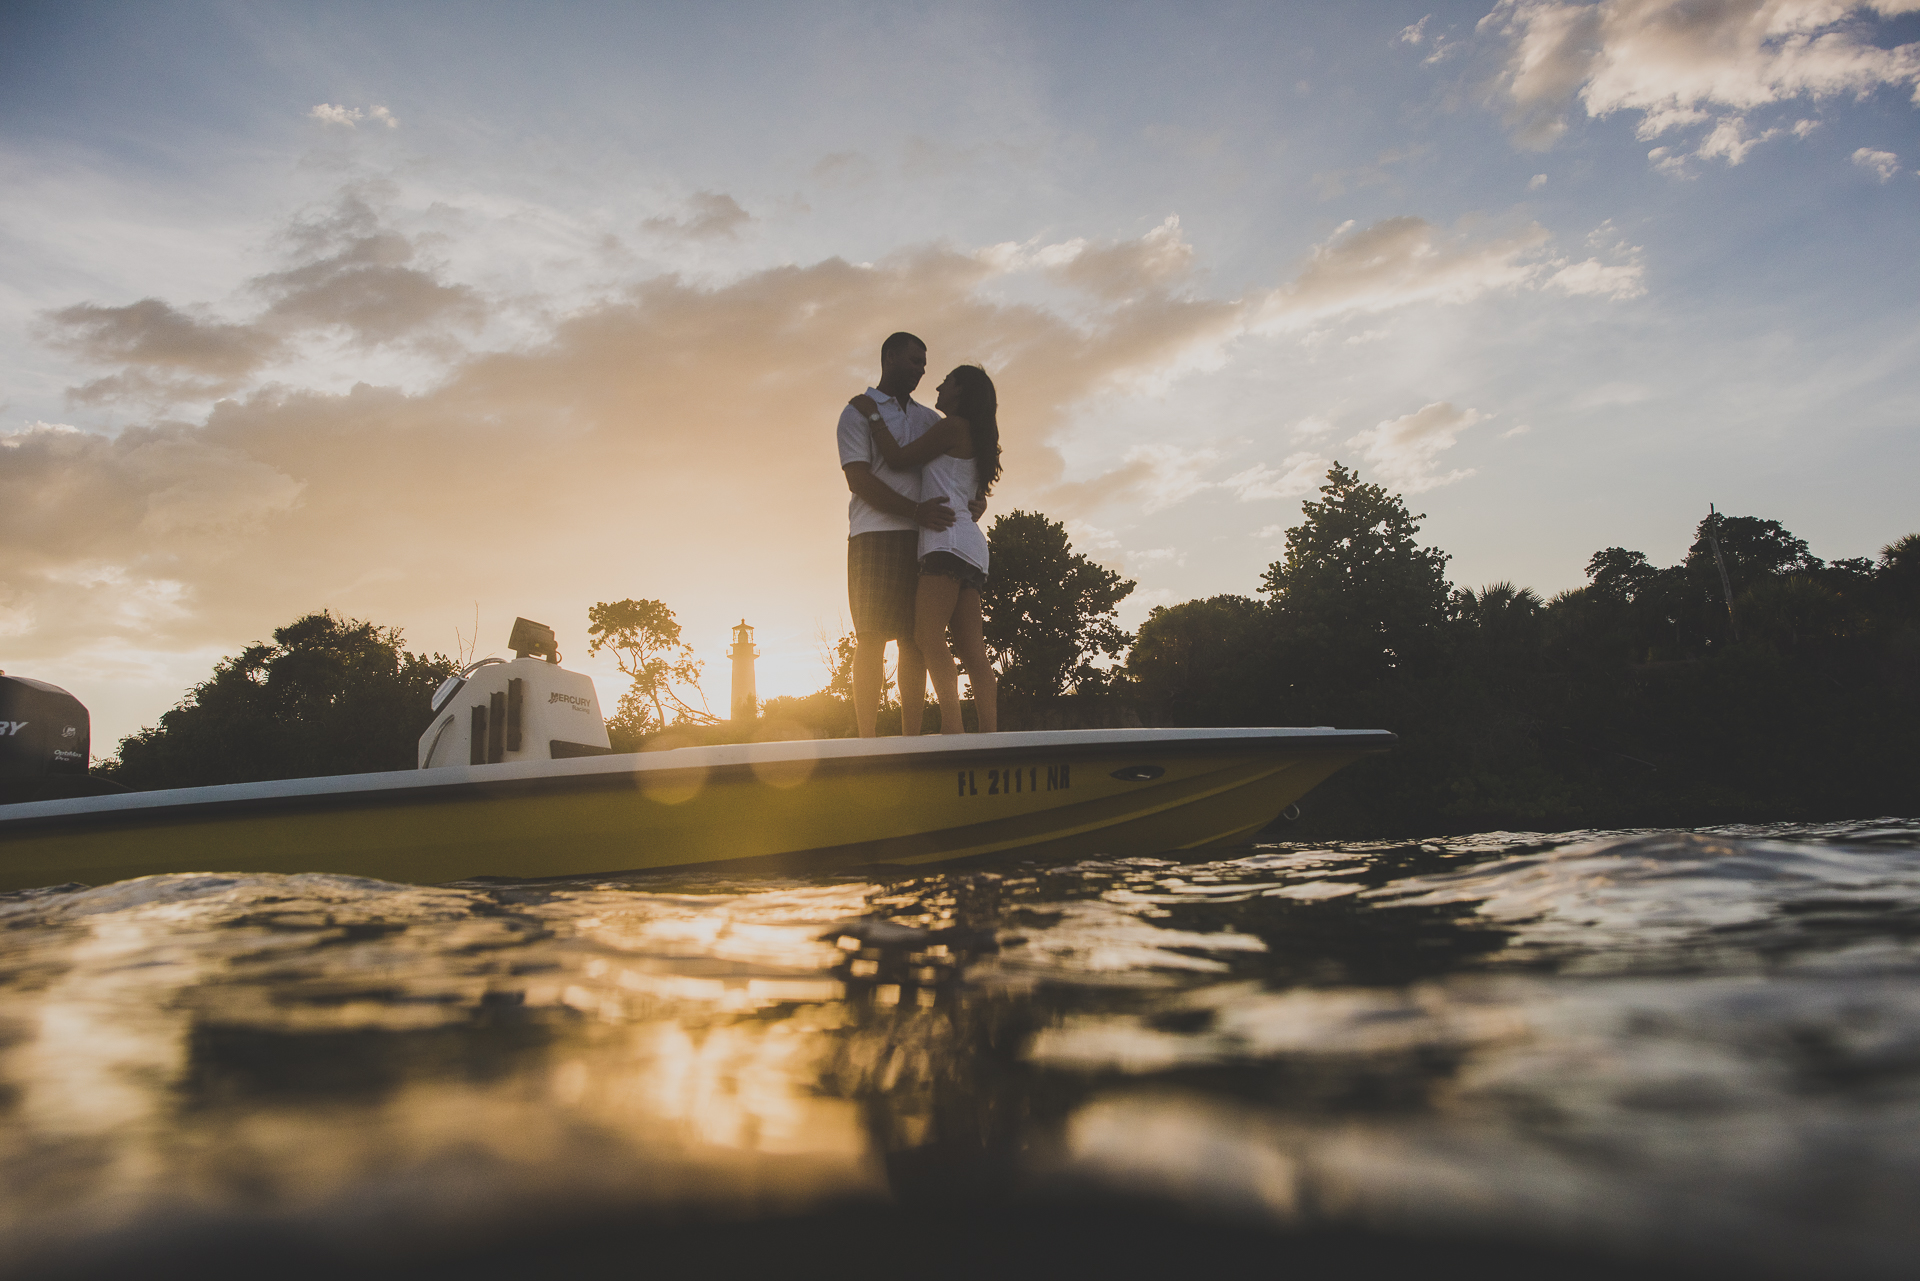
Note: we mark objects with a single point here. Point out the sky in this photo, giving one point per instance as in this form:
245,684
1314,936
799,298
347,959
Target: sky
440,314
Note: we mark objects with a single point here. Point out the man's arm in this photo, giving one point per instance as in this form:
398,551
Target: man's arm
932,514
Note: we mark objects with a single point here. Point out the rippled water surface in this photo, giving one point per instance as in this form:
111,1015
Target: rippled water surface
1667,1047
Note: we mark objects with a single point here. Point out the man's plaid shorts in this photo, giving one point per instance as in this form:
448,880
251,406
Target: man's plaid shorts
883,574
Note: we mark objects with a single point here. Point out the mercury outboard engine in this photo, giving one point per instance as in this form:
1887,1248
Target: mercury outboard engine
530,709
44,740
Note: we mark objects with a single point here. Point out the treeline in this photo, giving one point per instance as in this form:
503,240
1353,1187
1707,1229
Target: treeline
1751,682
327,696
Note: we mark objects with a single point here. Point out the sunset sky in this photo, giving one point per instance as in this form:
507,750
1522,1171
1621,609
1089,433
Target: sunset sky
412,311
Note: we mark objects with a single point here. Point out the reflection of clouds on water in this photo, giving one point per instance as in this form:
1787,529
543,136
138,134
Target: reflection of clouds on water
1660,1043
1113,936
1682,899
1707,1118
323,1040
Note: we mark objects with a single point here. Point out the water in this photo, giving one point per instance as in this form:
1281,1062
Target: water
1644,1048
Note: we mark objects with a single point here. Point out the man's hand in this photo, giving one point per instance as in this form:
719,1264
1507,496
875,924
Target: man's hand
977,508
933,514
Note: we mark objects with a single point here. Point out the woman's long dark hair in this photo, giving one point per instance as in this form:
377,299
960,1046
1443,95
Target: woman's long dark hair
980,405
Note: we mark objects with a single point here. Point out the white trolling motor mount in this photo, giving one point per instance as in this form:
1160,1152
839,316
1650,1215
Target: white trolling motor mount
529,709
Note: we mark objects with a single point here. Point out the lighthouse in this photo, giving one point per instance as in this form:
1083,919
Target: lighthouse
745,704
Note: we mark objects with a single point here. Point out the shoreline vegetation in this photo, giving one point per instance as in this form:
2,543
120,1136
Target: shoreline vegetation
1752,682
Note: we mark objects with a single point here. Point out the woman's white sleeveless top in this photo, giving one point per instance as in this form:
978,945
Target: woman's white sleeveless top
957,480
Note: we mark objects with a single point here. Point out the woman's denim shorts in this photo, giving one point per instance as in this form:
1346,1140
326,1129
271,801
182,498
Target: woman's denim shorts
947,565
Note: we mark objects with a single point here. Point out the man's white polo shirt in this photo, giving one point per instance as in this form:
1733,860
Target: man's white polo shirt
907,423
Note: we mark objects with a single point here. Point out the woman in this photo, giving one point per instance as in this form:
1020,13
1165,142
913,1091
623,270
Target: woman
958,459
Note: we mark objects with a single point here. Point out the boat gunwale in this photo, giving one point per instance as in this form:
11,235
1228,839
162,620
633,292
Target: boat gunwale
713,764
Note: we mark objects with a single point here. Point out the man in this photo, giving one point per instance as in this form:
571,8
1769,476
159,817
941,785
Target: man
884,519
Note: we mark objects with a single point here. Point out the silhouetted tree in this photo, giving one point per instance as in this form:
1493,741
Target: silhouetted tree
1048,610
1898,577
328,696
1619,575
1356,598
1500,623
1622,703
644,638
1631,611
1189,658
1754,549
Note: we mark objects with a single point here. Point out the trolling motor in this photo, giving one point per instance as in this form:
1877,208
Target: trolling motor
45,736
529,709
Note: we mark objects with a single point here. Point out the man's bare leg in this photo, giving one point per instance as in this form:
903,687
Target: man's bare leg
869,668
913,688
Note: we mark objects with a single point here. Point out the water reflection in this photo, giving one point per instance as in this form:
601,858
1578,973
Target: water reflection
1669,1045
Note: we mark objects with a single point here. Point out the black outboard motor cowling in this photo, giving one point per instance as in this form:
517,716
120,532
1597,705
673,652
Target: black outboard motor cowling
44,740
43,730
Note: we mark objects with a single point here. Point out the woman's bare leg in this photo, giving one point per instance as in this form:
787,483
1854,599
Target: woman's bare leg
932,607
971,641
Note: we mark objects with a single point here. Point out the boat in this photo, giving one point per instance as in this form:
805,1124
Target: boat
806,805
517,781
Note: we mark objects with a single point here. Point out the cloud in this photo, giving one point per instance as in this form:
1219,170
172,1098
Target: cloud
350,272
117,537
350,117
711,215
1156,476
1397,262
1405,449
1159,260
1394,263
1680,64
1593,277
1883,164
356,276
591,464
1300,474
1619,280
1337,182
670,439
1417,35
843,168
1093,540
1536,182
167,355
1729,140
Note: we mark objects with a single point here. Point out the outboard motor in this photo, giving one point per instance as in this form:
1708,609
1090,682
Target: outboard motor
530,709
45,736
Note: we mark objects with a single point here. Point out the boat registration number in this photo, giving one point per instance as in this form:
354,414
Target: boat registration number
1015,779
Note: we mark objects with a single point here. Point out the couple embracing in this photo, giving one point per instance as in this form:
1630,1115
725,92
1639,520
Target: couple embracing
916,556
